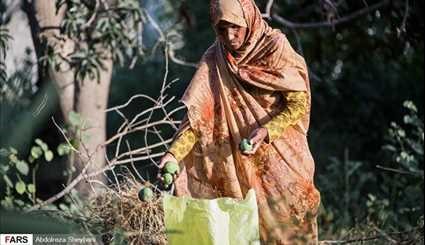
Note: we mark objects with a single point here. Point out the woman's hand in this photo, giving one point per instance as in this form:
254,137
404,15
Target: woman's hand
168,157
256,139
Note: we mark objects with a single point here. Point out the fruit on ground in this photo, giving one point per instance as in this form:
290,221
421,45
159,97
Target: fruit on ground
146,194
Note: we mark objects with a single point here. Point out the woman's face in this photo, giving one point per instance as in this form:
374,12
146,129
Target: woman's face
231,35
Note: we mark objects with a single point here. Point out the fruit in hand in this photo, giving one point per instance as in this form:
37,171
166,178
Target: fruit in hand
146,194
168,179
171,167
246,145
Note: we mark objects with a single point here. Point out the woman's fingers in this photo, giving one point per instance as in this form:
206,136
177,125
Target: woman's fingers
251,152
256,141
162,163
253,136
159,177
258,136
167,157
256,146
160,167
248,152
254,149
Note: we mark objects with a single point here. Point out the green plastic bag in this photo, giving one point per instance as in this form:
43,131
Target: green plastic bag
223,221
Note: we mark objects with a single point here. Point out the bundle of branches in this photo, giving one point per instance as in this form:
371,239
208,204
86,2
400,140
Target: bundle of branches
124,216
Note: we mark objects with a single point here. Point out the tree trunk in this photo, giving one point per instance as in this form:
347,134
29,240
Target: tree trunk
89,98
91,102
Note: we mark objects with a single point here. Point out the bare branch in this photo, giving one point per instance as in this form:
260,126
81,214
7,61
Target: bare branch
64,135
269,6
333,23
399,171
405,17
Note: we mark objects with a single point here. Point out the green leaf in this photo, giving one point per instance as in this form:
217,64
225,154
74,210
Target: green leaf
4,152
7,202
63,149
74,118
75,143
36,152
13,150
4,168
43,145
410,105
20,187
63,207
20,203
389,148
7,180
48,155
22,167
31,188
13,158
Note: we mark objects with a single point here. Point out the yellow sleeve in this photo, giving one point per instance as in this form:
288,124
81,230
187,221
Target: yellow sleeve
296,107
183,144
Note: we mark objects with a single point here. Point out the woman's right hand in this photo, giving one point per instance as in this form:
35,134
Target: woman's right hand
168,157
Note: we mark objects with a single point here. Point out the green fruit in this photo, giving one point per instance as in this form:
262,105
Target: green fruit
146,194
171,168
168,179
246,145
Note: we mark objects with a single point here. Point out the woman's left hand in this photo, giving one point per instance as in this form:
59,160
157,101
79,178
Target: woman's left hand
256,138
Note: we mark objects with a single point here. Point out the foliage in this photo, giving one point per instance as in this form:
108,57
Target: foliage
394,195
19,175
100,31
406,165
406,143
16,89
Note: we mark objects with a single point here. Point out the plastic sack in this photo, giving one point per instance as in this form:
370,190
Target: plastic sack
223,221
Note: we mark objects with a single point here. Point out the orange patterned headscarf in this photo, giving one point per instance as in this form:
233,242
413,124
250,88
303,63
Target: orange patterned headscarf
230,96
265,70
230,11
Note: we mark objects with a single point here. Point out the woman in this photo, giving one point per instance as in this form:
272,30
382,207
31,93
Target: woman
250,84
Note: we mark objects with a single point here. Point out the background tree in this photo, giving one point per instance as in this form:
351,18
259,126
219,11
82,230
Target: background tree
77,43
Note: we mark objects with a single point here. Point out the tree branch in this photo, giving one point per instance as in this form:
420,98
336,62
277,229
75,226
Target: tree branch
324,24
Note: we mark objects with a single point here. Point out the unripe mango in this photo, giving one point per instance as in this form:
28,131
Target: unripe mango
245,145
171,167
168,179
146,194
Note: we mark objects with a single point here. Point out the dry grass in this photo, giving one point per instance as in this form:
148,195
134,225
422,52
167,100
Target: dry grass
140,222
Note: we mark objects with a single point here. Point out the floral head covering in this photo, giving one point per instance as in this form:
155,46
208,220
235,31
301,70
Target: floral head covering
230,11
